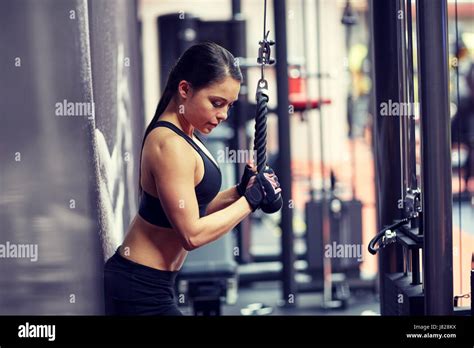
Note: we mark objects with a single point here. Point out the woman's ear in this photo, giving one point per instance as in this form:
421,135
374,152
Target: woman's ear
184,89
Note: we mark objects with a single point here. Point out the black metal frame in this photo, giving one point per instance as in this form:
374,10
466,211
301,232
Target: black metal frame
284,157
433,51
386,132
394,139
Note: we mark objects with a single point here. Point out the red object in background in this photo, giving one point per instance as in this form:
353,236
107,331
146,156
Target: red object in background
303,104
296,85
297,93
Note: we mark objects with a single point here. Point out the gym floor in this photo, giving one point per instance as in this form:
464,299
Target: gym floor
268,294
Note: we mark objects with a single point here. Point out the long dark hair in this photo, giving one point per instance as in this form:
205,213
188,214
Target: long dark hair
201,65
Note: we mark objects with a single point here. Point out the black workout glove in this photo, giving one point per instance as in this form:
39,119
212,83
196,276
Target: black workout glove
262,193
272,201
254,194
244,181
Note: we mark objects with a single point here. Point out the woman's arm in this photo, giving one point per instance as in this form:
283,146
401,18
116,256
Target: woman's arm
227,197
173,165
223,200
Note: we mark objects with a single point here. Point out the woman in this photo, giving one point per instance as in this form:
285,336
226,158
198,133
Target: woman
181,207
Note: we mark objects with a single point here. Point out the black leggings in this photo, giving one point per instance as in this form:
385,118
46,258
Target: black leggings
134,289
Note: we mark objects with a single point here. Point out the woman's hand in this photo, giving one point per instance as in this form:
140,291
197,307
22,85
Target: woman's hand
272,202
270,184
249,172
263,188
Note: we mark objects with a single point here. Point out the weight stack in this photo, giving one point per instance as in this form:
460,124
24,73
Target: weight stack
401,297
345,219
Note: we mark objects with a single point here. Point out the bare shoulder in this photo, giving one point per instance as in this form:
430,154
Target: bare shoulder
172,164
169,152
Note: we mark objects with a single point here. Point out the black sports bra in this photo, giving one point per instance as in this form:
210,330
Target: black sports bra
150,206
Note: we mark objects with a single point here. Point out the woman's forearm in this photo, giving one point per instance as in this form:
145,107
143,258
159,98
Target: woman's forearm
223,200
211,227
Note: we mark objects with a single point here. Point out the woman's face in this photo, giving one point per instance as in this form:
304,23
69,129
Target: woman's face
209,106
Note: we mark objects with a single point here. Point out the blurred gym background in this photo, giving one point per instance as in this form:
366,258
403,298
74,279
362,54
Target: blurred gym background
81,79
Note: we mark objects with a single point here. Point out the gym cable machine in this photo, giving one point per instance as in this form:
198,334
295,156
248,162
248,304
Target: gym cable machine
420,221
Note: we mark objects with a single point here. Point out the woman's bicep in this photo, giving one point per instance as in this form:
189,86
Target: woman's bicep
173,170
